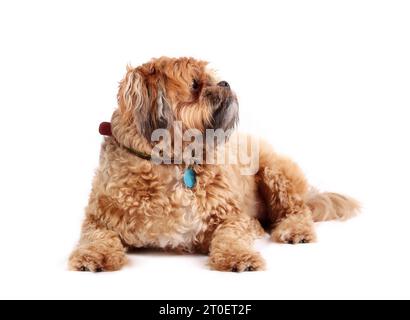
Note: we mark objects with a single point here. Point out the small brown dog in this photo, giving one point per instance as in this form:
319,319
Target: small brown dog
192,207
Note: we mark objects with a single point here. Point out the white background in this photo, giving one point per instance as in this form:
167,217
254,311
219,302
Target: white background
327,82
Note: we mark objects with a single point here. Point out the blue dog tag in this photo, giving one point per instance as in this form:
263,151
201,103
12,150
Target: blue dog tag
189,178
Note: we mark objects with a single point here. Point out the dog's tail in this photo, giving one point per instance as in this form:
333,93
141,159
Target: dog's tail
331,206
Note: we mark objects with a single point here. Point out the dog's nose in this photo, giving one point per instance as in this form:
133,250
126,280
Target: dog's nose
223,84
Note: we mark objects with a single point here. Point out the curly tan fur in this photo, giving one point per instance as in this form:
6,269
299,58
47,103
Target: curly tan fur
135,203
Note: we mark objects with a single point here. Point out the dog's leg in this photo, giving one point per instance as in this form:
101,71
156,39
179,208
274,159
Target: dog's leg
284,188
99,250
231,246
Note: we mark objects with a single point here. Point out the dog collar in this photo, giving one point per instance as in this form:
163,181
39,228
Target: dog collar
189,177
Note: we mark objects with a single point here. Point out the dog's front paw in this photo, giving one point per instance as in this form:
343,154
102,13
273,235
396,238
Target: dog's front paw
294,229
236,261
96,258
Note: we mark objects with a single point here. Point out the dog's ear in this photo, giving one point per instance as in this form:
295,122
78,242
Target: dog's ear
142,100
132,94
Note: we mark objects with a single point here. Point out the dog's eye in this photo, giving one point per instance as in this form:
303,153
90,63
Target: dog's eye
195,85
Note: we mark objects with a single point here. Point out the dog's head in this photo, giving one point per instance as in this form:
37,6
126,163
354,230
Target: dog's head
165,90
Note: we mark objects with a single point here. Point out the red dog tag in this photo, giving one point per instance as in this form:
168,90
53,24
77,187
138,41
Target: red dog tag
105,129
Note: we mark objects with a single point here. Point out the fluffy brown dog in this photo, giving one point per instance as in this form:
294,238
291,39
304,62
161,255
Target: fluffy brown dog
136,203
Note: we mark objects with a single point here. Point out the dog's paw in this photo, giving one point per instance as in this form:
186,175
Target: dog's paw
236,262
96,258
295,229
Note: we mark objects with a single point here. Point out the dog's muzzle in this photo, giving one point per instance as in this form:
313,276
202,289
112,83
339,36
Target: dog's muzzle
224,104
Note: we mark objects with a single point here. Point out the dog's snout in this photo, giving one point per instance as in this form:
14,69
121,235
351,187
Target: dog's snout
223,84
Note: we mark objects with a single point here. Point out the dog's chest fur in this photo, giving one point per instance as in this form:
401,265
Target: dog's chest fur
149,205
